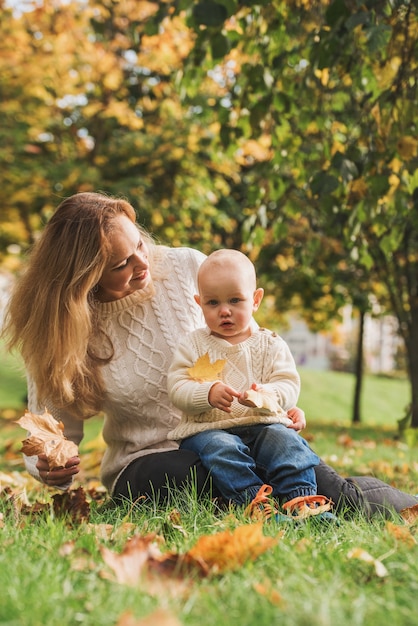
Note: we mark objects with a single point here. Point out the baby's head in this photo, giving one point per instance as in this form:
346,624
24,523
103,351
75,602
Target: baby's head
228,294
225,262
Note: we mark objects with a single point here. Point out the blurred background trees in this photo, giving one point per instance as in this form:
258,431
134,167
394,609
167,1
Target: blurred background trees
285,129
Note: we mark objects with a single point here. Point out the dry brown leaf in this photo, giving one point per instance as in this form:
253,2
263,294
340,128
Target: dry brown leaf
108,531
72,505
47,437
263,399
205,371
228,550
141,563
130,565
160,617
401,534
266,589
410,515
174,519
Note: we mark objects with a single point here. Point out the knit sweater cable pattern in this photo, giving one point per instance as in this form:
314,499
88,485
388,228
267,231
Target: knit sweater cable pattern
264,358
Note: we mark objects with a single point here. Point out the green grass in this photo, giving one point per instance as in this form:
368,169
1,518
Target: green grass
51,572
307,579
328,396
12,381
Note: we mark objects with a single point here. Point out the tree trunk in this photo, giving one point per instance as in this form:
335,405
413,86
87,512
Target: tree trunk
412,352
358,372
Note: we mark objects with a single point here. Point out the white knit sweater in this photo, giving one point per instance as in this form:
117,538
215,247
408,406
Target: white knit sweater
264,358
144,328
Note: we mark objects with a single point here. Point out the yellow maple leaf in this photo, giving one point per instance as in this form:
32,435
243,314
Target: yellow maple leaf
205,371
263,399
47,437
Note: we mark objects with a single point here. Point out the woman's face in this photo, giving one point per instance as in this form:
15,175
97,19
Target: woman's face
128,267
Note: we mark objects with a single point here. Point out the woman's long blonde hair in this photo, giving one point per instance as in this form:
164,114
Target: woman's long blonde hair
51,317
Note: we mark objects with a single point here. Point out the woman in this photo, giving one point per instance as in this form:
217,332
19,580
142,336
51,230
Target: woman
97,316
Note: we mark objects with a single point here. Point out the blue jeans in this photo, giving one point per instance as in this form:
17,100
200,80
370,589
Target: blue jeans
242,459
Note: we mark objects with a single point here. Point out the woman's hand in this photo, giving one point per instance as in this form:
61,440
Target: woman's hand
58,476
298,418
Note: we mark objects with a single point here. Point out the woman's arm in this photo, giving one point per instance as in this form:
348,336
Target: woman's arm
38,466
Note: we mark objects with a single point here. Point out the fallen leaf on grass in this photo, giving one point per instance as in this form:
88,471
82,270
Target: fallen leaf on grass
142,563
73,505
267,590
174,520
228,550
410,515
160,617
205,371
108,531
401,534
362,555
47,437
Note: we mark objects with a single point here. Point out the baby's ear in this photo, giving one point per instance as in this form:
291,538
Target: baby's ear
197,299
258,296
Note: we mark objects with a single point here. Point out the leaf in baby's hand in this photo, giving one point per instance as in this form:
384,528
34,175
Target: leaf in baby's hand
263,399
205,371
47,437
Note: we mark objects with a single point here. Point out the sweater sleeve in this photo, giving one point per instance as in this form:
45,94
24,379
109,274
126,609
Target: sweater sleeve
282,377
188,395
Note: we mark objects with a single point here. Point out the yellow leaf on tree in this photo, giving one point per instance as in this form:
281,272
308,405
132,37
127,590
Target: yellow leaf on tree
204,371
407,147
47,437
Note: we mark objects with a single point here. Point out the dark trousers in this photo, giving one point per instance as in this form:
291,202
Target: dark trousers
155,475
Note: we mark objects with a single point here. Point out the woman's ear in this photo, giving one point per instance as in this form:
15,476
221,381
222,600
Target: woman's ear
258,296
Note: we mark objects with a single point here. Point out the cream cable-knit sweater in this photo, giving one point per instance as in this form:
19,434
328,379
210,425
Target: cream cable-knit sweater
264,358
145,330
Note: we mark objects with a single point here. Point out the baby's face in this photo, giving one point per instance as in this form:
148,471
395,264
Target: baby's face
228,300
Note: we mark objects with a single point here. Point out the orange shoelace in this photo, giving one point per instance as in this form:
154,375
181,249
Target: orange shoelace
306,506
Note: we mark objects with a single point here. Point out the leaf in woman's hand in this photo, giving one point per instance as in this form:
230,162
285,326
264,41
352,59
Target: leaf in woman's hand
47,437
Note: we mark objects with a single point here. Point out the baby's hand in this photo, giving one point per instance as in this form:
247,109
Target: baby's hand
221,396
298,418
